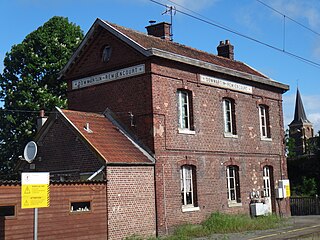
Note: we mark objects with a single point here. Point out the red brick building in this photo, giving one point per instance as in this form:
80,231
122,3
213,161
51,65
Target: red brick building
84,147
214,125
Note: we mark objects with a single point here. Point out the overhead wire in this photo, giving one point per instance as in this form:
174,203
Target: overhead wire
206,20
286,16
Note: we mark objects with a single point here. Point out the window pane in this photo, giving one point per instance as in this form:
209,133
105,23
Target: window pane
264,122
233,184
187,194
266,181
7,211
233,194
229,122
189,198
184,117
80,207
231,172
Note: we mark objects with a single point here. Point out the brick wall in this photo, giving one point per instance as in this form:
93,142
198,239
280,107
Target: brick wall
131,197
122,96
208,149
56,221
152,99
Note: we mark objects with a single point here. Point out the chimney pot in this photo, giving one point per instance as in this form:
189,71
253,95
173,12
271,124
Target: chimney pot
41,113
226,49
41,119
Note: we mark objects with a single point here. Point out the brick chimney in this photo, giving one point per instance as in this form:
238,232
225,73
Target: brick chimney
41,120
161,30
225,49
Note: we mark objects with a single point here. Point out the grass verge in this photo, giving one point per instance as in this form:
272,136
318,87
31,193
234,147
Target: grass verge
220,223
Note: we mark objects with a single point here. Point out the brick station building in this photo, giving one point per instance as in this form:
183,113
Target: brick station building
214,125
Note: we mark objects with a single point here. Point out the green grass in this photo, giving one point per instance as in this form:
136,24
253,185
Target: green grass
221,223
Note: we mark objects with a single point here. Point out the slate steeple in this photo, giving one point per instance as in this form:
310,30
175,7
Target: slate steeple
299,113
300,129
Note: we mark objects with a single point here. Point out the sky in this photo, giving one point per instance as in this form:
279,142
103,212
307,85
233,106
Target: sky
249,18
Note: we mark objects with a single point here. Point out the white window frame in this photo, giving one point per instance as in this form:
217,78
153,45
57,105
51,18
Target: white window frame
186,183
185,124
266,181
231,178
228,117
264,128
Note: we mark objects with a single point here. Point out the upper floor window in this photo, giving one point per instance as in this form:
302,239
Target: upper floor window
185,110
264,121
188,186
229,116
233,184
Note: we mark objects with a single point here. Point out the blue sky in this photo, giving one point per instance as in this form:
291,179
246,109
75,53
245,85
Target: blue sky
249,17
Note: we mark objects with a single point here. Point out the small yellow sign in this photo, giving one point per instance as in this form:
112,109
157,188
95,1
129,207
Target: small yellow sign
35,192
287,190
35,196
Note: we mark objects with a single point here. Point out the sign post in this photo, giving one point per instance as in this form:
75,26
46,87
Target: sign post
35,193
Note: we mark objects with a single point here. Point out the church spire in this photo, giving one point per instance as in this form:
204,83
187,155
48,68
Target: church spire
300,129
299,113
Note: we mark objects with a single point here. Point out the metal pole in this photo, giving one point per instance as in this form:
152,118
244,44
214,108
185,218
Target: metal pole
35,224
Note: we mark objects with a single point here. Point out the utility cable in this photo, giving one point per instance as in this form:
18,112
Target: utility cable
293,20
212,23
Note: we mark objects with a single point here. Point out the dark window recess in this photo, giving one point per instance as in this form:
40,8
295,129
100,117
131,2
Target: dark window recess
80,207
7,211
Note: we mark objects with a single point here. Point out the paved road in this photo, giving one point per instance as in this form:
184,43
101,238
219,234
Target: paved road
299,227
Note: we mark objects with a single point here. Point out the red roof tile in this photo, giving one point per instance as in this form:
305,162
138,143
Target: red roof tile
149,42
106,138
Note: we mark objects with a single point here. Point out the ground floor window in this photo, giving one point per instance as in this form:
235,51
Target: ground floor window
188,186
6,211
233,184
266,181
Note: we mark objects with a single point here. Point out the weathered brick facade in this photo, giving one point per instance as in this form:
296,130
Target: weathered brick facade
151,97
131,198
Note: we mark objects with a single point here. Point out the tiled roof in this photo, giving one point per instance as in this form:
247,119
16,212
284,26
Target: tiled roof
149,42
108,140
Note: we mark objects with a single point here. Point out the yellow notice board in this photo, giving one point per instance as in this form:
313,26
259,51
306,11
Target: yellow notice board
287,186
35,191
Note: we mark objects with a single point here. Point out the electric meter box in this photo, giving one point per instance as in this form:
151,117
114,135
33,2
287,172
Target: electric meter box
283,190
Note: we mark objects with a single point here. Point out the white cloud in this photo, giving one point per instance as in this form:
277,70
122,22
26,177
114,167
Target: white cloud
315,119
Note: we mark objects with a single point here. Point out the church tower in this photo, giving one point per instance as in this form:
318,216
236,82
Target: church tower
300,129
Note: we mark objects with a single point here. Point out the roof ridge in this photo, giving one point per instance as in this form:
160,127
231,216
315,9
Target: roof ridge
172,42
100,114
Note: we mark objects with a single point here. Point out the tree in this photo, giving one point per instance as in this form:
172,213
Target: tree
29,83
307,187
290,145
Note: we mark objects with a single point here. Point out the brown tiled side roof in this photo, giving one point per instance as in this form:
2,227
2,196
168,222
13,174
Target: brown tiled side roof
149,42
106,138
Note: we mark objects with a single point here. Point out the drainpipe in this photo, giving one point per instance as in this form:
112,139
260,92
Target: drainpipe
164,200
96,173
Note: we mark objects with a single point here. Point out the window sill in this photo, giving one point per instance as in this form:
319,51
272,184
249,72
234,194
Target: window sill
190,209
186,131
230,135
266,139
234,204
